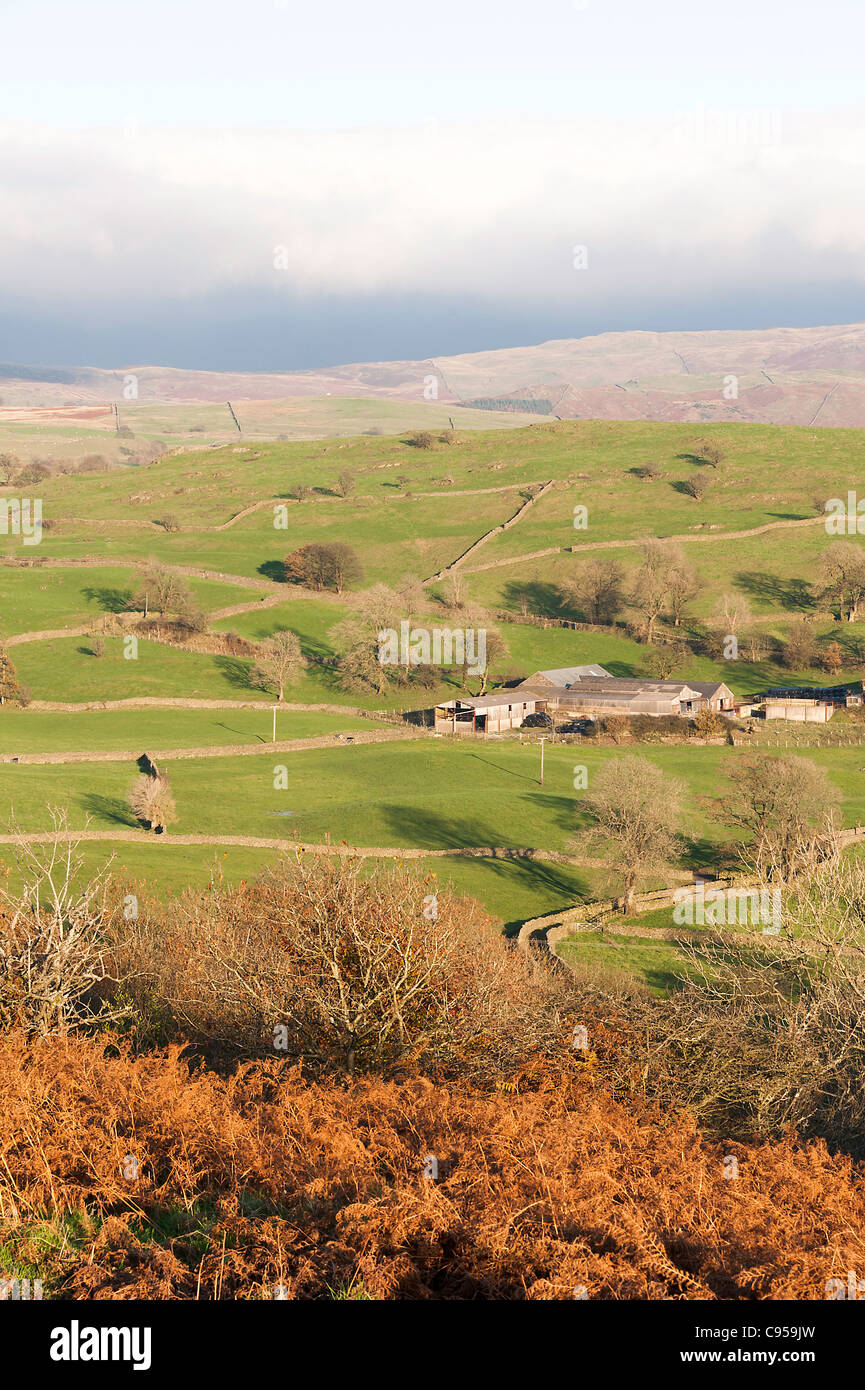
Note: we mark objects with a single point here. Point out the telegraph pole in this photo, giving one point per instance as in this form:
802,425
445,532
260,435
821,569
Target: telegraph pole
274,722
543,741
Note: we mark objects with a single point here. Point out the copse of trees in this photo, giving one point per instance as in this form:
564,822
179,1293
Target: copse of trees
842,575
317,566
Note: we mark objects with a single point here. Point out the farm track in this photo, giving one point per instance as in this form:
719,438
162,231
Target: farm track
262,842
280,502
630,543
189,702
229,750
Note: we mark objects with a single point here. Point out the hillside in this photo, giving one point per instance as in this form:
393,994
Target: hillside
208,518
796,376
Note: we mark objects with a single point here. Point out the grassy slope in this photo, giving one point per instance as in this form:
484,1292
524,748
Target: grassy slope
425,794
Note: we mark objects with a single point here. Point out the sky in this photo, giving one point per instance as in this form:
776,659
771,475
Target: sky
277,185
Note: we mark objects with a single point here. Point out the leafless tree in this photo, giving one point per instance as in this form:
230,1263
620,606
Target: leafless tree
636,810
280,662
53,955
151,800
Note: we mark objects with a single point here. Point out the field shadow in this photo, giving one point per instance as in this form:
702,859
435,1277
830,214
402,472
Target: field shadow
794,595
259,738
109,600
695,460
273,569
237,673
539,597
681,485
110,808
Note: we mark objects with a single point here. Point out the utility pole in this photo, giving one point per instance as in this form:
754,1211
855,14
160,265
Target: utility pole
543,741
274,722
234,417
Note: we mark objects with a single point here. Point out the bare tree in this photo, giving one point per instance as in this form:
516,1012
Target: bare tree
651,587
842,571
279,663
732,617
597,590
684,584
786,806
454,589
53,955
151,800
695,487
158,588
801,651
636,811
357,640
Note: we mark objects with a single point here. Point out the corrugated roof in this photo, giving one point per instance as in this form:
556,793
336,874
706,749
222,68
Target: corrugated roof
569,675
497,701
621,685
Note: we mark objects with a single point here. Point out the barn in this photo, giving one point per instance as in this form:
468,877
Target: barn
485,714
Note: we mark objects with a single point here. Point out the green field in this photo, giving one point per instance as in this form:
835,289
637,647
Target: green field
423,794
409,511
25,731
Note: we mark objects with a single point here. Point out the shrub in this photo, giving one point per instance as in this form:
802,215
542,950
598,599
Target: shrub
52,943
151,800
346,971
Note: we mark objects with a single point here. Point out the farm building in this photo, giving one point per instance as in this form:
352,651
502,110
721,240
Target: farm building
484,714
566,676
836,695
626,695
802,711
576,690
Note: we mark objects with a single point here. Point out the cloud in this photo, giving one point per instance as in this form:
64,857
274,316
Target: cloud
492,210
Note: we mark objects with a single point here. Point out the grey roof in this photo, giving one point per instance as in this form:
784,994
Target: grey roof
708,688
496,701
621,685
569,675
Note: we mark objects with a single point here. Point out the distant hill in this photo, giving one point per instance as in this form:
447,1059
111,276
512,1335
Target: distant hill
791,376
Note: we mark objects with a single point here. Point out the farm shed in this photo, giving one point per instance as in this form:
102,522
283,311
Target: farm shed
485,714
564,677
802,711
616,695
